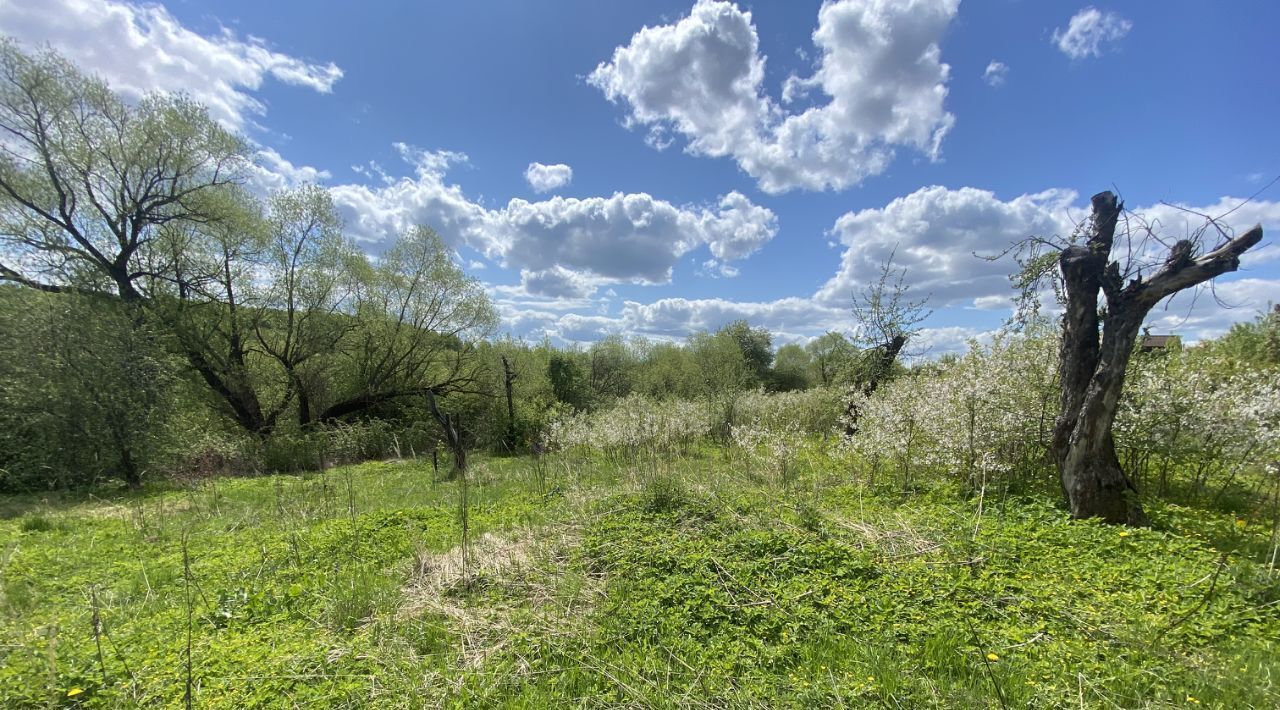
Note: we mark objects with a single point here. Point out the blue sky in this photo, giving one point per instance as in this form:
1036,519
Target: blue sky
727,160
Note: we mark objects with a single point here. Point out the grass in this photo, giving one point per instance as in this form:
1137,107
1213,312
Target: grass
694,585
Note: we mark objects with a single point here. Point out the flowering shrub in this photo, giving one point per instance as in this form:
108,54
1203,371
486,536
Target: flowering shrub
636,427
1200,416
812,411
988,412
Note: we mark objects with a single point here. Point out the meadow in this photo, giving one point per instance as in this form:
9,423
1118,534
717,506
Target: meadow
690,579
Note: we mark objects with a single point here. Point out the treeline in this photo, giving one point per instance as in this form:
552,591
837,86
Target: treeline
157,316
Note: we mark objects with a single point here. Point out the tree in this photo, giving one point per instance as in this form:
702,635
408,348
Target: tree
85,393
756,345
830,356
610,369
309,281
567,380
668,370
87,180
1096,347
415,328
885,320
791,369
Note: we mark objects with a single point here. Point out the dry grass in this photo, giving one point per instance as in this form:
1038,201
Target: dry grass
503,585
893,540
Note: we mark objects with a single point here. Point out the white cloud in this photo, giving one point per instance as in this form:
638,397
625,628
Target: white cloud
938,235
702,78
677,317
1088,31
631,238
143,48
1209,311
557,282
544,178
996,73
992,303
934,233
271,171
716,270
376,214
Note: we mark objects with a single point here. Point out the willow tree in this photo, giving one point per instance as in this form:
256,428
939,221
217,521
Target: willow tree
1097,343
88,180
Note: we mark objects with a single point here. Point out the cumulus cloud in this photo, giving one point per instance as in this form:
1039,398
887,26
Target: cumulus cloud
1209,311
879,68
271,171
938,235
143,48
677,317
623,238
1088,31
376,214
996,73
557,282
935,233
544,178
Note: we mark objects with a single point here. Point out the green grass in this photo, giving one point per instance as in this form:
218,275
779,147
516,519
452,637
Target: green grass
696,585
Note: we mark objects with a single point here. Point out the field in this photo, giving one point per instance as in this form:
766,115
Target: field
593,581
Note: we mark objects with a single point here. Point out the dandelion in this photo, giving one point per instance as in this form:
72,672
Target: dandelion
1240,523
1124,533
1193,700
992,657
74,692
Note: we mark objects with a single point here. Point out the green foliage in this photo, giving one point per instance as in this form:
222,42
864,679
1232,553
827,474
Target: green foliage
567,381
832,358
792,369
756,346
85,392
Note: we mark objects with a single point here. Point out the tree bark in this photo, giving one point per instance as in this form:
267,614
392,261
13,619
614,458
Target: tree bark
452,436
1092,362
508,380
881,367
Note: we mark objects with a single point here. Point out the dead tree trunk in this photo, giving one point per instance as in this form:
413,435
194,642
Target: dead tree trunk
879,368
508,379
1092,362
452,436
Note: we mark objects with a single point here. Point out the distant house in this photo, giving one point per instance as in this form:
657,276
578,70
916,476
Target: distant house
1153,343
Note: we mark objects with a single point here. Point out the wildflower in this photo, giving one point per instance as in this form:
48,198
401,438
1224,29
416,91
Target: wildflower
1240,523
1124,533
992,657
1192,699
74,692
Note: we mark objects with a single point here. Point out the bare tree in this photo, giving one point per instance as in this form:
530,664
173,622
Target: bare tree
1096,345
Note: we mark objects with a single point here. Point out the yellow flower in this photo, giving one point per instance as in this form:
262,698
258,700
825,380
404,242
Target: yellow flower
1124,533
1240,523
74,691
992,657
1192,700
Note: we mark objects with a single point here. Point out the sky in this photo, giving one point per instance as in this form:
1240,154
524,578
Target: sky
658,168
